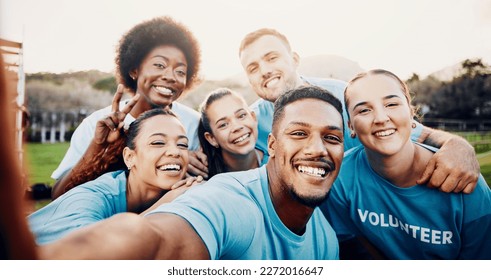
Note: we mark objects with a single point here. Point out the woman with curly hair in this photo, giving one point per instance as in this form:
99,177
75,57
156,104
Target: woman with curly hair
157,60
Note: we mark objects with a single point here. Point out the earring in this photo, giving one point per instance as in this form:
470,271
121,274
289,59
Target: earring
353,135
132,77
413,125
129,167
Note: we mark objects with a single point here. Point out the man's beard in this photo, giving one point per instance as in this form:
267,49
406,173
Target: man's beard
312,201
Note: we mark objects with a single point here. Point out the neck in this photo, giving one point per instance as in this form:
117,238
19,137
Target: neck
142,105
235,162
139,196
294,215
402,169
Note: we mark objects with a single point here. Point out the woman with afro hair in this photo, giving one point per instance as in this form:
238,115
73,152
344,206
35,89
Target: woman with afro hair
157,60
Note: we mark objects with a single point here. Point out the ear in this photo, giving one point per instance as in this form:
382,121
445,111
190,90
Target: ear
351,129
134,74
211,139
271,145
129,157
254,117
296,58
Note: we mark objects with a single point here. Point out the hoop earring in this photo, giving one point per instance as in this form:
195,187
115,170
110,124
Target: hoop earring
413,125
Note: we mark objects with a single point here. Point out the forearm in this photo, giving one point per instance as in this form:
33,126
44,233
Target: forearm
438,138
74,176
129,236
123,236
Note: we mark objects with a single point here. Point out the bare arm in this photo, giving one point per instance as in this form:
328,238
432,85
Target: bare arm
129,236
454,168
103,150
81,172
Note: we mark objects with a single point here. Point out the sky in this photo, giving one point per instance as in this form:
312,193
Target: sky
405,37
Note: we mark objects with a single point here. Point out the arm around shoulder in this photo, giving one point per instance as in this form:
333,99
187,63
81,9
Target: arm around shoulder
454,167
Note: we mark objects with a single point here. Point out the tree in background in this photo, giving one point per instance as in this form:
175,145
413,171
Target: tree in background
466,96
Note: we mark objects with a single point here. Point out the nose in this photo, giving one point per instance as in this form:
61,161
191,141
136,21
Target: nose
315,147
168,74
265,69
173,151
381,116
237,126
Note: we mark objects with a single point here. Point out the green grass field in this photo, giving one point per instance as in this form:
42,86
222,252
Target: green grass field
42,159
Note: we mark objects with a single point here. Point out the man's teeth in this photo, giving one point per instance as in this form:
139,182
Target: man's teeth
313,171
170,167
272,83
242,138
385,132
163,90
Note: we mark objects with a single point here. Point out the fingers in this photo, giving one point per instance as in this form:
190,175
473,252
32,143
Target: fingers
179,184
131,103
469,188
117,98
430,167
196,166
188,182
111,123
201,157
448,179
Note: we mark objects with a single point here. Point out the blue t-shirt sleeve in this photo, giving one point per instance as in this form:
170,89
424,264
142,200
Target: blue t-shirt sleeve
215,210
416,132
77,208
476,241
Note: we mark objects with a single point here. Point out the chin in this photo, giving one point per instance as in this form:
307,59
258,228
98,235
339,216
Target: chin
311,201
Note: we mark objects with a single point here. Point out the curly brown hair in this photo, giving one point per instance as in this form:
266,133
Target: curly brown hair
140,40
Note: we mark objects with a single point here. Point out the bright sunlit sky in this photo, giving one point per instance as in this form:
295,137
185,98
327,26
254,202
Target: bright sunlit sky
402,36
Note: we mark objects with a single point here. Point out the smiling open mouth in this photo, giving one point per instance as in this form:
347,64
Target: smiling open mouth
169,167
272,82
242,138
385,132
164,91
312,171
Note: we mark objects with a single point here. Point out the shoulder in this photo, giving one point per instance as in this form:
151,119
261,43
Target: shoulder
354,154
261,105
111,183
182,110
336,87
241,179
325,82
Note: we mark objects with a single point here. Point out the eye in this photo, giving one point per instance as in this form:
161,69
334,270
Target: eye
392,104
159,65
252,70
273,58
222,125
333,139
363,111
157,143
242,115
183,146
181,73
298,133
